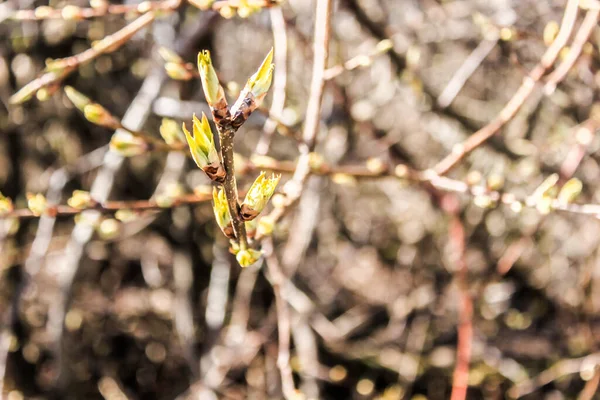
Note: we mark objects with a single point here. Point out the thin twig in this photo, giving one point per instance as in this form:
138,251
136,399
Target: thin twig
581,37
293,189
518,99
462,74
279,79
277,279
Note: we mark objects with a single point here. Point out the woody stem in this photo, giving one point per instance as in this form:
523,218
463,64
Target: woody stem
226,135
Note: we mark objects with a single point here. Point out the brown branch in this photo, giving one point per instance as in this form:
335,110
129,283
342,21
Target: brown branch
58,70
518,99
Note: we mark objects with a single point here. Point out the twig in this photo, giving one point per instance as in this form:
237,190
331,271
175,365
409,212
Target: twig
462,74
293,189
518,99
277,280
362,60
581,37
58,70
279,79
591,386
558,370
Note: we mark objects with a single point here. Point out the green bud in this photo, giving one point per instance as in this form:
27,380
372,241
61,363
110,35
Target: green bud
202,148
6,204
221,210
260,82
127,145
258,195
37,203
570,191
248,257
210,82
81,199
171,133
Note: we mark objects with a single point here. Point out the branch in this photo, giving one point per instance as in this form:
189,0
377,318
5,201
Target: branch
518,99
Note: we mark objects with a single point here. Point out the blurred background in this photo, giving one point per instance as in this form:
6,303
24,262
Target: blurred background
377,279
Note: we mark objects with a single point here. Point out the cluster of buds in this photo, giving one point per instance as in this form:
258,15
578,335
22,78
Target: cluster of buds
93,112
202,148
37,203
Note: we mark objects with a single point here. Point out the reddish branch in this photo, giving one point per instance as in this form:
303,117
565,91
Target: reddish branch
518,99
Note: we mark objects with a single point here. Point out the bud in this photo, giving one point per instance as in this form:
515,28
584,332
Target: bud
126,215
247,257
202,148
78,99
221,210
100,116
265,227
227,12
258,195
81,199
109,229
6,204
36,203
210,83
169,56
170,132
43,12
71,12
260,82
545,188
178,72
127,145
251,227
570,191
170,195
25,93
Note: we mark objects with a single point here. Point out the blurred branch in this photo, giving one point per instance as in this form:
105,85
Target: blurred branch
462,74
277,279
514,104
279,80
581,37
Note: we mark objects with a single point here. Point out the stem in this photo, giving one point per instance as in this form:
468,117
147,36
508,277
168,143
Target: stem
226,135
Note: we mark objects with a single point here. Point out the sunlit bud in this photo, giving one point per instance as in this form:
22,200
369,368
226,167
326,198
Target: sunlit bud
483,201
251,228
315,161
550,32
516,207
265,227
210,83
245,10
171,133
71,12
221,210
343,179
170,195
127,145
260,82
98,4
43,94
6,204
170,56
202,148
544,205
178,72
384,45
474,177
36,203
126,215
376,165
495,182
258,195
98,115
109,229
248,257
78,99
570,191
43,12
144,7
81,199
227,12
202,4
